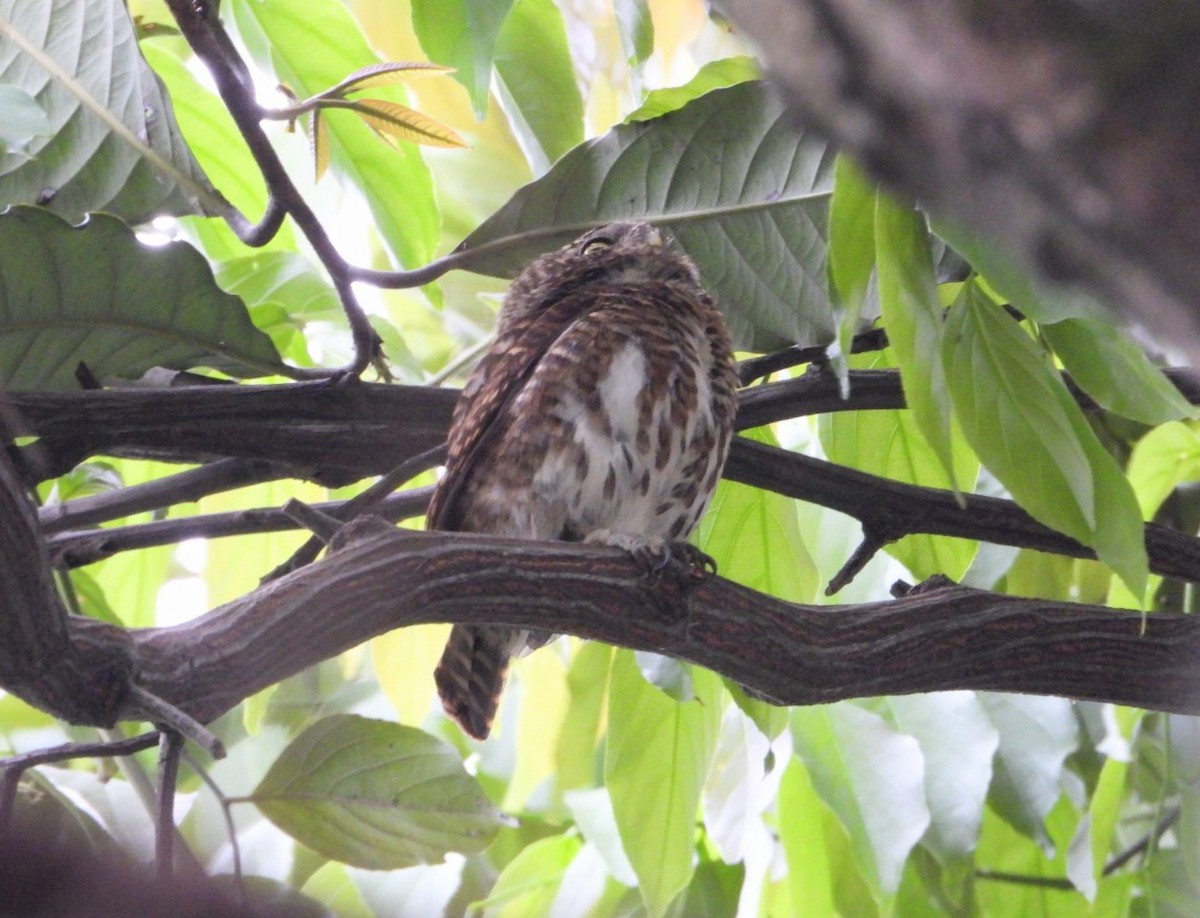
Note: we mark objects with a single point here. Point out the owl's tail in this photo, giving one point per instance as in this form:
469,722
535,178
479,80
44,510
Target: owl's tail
470,675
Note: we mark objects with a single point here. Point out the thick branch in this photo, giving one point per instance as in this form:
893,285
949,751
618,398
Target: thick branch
331,433
948,638
76,669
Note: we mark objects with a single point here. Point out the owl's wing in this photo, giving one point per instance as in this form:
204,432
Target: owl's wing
498,379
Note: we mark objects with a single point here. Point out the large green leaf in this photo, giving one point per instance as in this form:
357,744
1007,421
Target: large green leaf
376,794
1040,300
802,834
93,294
215,141
851,239
728,71
659,752
754,536
912,316
462,34
1165,457
530,883
1112,369
112,143
1024,425
535,82
743,190
872,778
889,444
312,45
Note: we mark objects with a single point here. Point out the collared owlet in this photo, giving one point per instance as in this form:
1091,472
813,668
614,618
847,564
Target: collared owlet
602,413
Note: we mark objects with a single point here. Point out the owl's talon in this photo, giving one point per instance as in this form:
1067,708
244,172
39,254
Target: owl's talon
683,559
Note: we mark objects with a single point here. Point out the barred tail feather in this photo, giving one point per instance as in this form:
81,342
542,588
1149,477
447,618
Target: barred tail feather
470,675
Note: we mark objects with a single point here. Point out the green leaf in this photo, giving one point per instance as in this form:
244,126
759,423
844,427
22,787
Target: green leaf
888,444
636,27
93,294
530,882
575,754
375,794
872,778
744,192
594,818
658,756
280,277
802,834
1024,425
91,599
728,71
754,536
1017,286
851,236
111,143
462,34
333,887
535,83
311,45
1110,367
912,316
283,292
23,120
215,141
958,742
1164,458
1036,736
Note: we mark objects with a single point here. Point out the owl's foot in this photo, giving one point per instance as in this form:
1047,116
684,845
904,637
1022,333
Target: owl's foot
657,556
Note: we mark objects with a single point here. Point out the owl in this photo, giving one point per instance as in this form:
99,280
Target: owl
601,413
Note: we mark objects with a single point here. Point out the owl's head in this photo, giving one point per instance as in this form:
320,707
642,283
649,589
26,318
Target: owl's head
621,254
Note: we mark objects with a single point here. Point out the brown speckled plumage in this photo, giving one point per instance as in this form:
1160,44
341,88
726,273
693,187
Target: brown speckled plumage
603,411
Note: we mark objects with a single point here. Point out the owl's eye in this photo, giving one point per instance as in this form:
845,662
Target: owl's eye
595,245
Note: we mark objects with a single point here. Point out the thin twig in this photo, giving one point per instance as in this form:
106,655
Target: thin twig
168,771
152,708
182,487
224,803
77,549
12,769
872,339
1143,844
211,44
1021,879
361,503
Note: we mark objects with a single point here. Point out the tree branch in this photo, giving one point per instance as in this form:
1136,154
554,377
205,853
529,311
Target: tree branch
946,638
338,433
891,509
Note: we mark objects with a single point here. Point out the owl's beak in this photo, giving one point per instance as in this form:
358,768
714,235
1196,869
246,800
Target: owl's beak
655,238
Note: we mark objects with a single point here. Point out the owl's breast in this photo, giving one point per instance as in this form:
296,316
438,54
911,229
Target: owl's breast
623,426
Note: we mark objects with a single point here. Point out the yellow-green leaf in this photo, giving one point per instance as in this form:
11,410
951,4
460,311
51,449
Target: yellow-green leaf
393,121
375,794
